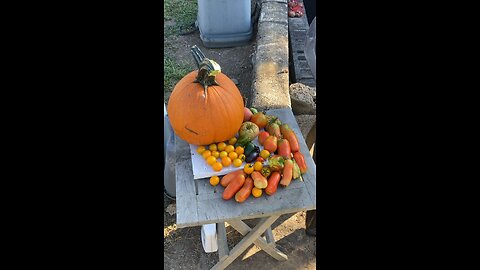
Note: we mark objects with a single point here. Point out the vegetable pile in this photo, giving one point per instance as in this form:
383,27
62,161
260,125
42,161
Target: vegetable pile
278,163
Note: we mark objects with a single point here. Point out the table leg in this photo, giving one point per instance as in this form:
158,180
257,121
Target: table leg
246,241
269,248
222,241
269,236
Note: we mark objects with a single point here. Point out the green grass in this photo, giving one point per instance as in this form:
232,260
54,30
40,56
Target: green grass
173,72
178,15
182,12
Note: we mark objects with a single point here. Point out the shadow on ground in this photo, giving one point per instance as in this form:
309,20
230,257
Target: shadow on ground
183,248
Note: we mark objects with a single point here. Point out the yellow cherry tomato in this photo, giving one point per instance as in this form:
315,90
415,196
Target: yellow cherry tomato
237,162
212,147
229,148
248,169
233,155
200,149
216,154
217,166
223,154
214,180
211,160
221,146
264,154
206,154
256,192
258,166
242,157
226,161
232,141
239,150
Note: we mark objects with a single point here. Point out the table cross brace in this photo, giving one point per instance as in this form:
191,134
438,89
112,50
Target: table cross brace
252,236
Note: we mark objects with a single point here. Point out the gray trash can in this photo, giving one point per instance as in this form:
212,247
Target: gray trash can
225,23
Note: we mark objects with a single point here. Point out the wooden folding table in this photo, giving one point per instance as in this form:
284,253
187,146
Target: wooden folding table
200,203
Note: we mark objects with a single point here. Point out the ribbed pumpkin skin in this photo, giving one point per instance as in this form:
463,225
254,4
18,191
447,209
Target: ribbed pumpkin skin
201,121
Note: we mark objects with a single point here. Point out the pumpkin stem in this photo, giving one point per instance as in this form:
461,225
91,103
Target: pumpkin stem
207,68
197,55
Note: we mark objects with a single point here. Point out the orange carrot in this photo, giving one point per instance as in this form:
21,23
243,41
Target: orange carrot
287,173
262,136
284,148
290,135
300,160
245,191
270,144
229,177
272,183
234,186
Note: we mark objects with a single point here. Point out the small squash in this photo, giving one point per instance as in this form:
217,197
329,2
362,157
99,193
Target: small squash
205,106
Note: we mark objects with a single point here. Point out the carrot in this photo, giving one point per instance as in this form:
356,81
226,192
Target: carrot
272,183
234,186
284,148
245,191
287,173
270,144
262,136
229,177
290,135
300,160
259,180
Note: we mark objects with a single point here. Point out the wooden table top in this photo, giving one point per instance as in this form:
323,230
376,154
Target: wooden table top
200,203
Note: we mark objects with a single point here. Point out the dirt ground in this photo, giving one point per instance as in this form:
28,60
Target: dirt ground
182,247
235,62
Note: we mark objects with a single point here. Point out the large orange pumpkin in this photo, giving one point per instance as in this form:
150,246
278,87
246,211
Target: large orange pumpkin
205,106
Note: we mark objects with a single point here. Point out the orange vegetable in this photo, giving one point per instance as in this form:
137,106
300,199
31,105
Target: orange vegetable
273,183
200,91
245,191
233,187
214,180
287,173
289,134
300,160
284,149
270,144
259,119
217,166
262,136
256,192
257,166
259,180
229,177
248,169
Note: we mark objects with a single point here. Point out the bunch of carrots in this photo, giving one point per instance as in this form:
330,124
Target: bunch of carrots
285,163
